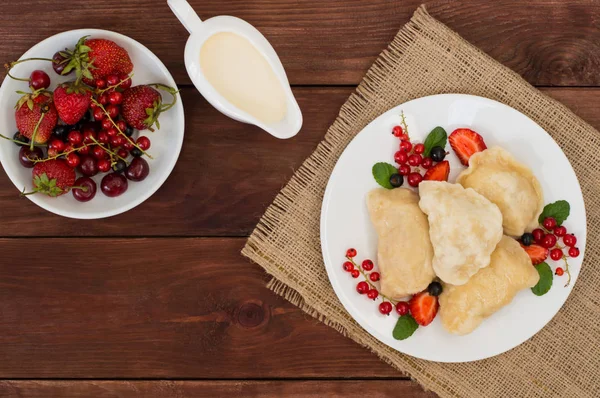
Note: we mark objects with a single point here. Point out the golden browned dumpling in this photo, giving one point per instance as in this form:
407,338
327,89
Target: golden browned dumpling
495,174
404,251
464,228
463,308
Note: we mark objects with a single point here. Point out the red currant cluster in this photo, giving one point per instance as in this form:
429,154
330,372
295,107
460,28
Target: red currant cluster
367,287
548,237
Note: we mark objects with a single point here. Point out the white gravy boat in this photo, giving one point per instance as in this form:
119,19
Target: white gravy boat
200,31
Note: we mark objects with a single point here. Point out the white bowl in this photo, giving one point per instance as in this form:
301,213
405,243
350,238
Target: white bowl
166,142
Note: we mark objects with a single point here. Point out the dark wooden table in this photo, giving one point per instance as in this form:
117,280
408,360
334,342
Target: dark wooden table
158,301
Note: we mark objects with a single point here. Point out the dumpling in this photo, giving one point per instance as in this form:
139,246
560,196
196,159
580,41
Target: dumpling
404,251
464,228
463,308
496,174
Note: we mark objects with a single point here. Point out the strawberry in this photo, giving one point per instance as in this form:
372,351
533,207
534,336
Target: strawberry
72,102
537,253
143,104
439,172
30,109
52,177
465,143
423,307
95,59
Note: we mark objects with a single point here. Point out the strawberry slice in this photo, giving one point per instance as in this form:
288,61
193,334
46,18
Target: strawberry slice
465,143
537,253
423,307
439,172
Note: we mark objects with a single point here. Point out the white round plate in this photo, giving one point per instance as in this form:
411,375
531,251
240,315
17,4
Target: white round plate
345,221
166,142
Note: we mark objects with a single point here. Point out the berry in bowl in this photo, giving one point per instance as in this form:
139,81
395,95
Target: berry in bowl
92,123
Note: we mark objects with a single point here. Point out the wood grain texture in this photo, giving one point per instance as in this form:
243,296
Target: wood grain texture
549,42
213,389
157,308
226,176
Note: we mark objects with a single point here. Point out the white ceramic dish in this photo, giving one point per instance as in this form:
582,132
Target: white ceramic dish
345,221
166,142
200,31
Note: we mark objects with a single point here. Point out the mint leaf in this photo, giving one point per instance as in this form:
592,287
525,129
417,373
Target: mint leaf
545,282
382,172
559,210
437,137
405,327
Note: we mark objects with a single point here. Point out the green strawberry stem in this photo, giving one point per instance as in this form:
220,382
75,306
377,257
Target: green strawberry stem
10,65
21,142
100,92
119,130
35,190
364,274
35,130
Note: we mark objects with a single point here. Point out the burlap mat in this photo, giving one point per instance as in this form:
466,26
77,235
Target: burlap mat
427,58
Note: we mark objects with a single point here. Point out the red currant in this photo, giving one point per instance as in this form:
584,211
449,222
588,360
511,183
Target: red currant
385,308
401,157
404,169
115,98
128,145
570,240
112,80
84,150
52,152
106,124
427,163
355,273
89,137
123,153
116,141
351,253
538,235
125,81
414,160
549,223
556,254
103,99
549,241
405,146
113,111
372,294
143,142
73,160
100,83
362,287
98,152
348,266
93,106
68,148
75,137
419,148
414,179
397,131
367,265
402,308
122,125
559,271
374,276
404,137
573,252
98,114
103,137
57,144
104,165
111,131
560,231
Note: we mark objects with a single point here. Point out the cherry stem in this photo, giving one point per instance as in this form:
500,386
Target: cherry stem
11,65
365,275
118,129
20,142
84,189
100,92
171,91
404,125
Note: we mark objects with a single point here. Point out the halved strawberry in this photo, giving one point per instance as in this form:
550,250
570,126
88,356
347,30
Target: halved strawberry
466,142
537,253
439,172
423,307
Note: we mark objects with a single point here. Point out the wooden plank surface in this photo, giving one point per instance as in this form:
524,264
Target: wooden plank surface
226,176
157,308
213,389
549,42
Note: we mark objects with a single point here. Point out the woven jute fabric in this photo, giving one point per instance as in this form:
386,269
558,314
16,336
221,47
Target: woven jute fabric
426,58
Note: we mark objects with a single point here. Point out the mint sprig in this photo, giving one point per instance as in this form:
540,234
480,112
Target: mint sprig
405,327
545,282
382,172
437,137
558,210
